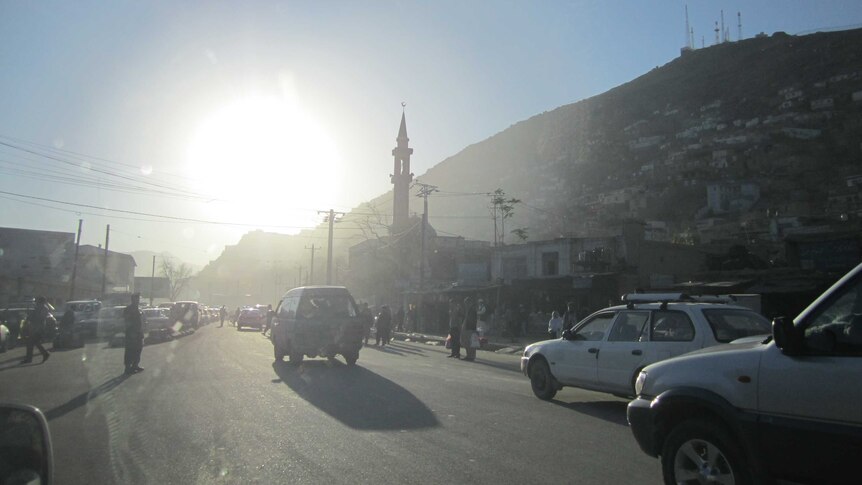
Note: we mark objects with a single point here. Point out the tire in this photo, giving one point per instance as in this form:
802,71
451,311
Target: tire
238,327
542,381
351,358
698,451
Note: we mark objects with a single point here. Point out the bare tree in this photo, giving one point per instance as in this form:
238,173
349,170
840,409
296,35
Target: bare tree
177,275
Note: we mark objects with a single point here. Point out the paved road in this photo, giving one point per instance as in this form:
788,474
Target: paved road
212,408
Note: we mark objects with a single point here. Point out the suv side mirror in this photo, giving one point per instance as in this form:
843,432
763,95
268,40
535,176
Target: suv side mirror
787,337
25,445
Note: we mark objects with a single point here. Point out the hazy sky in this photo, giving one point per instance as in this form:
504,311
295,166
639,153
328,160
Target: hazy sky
264,112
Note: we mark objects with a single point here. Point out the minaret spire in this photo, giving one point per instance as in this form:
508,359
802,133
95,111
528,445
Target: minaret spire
401,177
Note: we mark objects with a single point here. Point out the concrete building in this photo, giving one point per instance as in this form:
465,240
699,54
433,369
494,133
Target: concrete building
34,263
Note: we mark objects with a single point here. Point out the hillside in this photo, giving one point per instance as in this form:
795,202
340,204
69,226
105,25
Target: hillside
766,126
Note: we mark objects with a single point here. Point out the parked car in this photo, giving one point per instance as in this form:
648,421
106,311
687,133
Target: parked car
317,321
107,322
607,350
250,317
83,309
156,318
785,407
188,313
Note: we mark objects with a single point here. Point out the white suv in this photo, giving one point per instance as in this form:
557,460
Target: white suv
788,407
606,351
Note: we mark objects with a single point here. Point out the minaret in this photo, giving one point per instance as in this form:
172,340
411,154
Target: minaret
401,178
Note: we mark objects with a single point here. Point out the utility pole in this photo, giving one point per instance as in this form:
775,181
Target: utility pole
105,258
152,280
299,276
75,262
330,217
310,279
424,191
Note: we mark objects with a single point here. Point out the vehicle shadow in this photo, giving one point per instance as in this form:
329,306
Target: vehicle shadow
509,366
610,411
389,349
84,397
355,396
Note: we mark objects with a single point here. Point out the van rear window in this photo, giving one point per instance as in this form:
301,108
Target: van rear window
323,305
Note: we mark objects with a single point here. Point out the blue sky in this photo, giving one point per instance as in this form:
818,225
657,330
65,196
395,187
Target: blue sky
132,82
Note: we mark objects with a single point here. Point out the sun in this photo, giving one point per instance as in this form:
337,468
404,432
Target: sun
265,161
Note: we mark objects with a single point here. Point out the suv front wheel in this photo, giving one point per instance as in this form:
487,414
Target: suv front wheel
699,451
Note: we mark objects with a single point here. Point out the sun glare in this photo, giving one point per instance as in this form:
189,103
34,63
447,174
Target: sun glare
271,162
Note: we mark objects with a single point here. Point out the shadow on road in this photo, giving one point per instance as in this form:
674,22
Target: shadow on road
356,396
395,350
610,411
84,397
510,366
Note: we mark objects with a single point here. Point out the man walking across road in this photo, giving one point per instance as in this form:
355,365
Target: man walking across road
134,335
37,320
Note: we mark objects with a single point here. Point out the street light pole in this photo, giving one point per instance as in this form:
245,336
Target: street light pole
330,217
310,280
75,262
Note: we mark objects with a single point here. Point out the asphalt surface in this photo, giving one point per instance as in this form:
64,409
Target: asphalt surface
212,407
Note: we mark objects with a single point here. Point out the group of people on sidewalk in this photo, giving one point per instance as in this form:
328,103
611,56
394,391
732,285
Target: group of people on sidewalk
463,319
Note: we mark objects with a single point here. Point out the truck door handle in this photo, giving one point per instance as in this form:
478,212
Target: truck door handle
637,352
593,350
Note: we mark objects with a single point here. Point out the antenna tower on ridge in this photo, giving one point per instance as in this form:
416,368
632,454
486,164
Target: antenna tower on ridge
738,26
687,29
723,33
716,32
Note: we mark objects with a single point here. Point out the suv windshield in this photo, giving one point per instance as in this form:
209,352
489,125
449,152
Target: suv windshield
729,324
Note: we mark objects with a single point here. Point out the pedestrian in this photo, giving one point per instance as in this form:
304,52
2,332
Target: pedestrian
134,335
222,313
469,338
384,325
37,322
555,325
236,316
456,317
399,320
65,335
570,318
269,316
412,318
13,324
367,320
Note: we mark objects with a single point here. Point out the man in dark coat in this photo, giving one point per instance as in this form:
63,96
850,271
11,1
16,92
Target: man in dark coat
468,329
37,322
571,317
384,325
456,318
134,335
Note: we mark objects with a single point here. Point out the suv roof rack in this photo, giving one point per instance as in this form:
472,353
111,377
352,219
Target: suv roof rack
631,298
